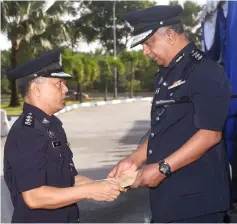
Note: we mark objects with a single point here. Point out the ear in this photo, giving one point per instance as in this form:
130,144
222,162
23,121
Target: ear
34,88
172,36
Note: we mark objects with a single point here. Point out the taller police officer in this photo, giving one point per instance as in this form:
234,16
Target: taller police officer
38,166
187,168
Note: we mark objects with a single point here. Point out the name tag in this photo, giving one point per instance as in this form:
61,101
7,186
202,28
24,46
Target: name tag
57,144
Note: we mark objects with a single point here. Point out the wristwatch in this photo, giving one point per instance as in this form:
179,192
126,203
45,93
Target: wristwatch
164,168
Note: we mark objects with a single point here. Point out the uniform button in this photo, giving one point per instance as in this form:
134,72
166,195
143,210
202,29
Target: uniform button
60,155
152,134
171,94
165,84
150,151
158,118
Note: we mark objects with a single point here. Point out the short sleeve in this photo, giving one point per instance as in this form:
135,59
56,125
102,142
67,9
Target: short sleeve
27,158
210,94
74,171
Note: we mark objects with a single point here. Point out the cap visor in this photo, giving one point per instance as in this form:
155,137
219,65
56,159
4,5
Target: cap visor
140,38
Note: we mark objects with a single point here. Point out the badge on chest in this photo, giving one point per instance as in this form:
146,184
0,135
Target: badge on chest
56,144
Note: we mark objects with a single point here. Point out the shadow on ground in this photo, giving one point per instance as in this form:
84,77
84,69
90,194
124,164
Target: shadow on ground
136,133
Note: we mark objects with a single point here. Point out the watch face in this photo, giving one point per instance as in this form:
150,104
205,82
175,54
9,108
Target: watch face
164,168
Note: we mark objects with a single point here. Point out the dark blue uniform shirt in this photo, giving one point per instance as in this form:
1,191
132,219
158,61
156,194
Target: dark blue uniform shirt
36,154
202,187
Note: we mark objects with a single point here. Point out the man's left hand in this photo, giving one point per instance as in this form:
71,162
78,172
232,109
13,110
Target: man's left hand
149,176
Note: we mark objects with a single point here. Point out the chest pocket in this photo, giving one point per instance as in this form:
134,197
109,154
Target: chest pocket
172,115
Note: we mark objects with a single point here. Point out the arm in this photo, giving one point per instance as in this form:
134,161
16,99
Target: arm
193,149
46,197
140,155
80,180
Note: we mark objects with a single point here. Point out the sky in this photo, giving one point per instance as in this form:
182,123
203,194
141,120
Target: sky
5,43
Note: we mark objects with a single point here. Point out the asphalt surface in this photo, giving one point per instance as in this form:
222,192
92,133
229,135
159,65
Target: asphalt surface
99,138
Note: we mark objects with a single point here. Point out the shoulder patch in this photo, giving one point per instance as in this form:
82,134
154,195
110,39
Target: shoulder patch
28,120
197,55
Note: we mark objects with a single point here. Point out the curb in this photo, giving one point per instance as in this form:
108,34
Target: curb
101,103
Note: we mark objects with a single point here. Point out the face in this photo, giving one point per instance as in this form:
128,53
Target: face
52,94
158,47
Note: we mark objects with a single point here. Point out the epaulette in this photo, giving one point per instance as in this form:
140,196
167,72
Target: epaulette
28,120
197,55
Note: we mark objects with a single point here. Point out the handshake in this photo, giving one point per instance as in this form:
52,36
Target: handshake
109,189
125,174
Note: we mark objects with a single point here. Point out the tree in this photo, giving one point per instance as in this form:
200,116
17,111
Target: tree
96,21
72,64
107,65
24,21
5,65
134,61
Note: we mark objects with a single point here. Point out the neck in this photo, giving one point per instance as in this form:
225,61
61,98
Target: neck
179,46
37,104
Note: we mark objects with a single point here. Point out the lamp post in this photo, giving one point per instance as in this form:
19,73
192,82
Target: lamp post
115,52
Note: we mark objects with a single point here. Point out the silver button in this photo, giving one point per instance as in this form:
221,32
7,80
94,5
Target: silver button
165,84
150,151
60,155
171,94
152,134
158,118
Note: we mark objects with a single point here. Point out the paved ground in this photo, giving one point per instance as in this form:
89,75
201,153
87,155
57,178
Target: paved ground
100,137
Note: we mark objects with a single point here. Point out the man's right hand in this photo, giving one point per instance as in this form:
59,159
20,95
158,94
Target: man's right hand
104,190
124,166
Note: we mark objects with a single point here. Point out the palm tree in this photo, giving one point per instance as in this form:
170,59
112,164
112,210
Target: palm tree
107,64
73,65
24,21
134,61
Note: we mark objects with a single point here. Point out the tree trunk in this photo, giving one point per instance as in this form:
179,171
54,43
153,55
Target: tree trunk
79,96
15,102
131,87
106,91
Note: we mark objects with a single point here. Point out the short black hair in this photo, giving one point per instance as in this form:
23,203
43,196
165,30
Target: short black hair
24,84
178,27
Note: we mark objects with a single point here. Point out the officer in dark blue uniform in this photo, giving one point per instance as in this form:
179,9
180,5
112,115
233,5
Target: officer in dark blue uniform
38,166
187,168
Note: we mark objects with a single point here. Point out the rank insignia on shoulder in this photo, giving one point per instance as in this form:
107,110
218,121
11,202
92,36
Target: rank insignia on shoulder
177,83
179,58
197,54
28,121
45,121
56,144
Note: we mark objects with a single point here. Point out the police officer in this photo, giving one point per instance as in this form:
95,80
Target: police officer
187,168
38,165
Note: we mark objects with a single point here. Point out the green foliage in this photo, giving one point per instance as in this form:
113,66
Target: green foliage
96,21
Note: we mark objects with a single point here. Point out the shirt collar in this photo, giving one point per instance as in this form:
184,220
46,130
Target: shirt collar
182,54
37,113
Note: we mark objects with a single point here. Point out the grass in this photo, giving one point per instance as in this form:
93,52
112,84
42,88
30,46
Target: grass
16,111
